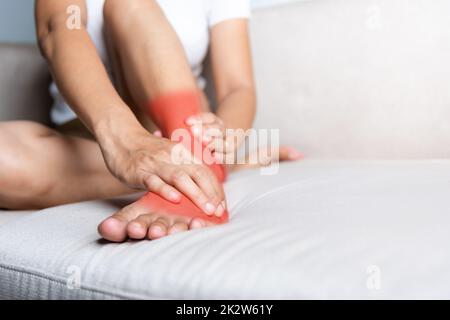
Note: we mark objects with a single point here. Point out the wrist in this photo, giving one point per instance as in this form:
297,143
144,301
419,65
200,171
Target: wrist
117,124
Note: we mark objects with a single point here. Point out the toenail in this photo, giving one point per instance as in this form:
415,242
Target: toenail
158,229
135,226
210,209
294,154
197,224
175,230
113,221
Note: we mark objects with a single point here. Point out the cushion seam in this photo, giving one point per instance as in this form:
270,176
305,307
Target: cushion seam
59,281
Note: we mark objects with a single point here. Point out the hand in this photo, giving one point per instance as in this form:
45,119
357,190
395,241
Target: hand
211,131
142,160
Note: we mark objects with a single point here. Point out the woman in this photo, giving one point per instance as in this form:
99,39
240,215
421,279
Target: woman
120,59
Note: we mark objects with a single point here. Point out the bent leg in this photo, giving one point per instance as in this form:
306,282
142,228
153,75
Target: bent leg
152,58
150,65
40,168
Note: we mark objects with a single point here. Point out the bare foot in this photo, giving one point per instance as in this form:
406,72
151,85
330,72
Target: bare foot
136,221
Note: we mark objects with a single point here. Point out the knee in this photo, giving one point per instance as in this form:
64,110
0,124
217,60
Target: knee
21,173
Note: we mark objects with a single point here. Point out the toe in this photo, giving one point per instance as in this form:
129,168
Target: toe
197,224
158,229
115,228
289,154
138,228
178,226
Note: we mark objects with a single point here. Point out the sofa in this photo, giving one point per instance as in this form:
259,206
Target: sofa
361,87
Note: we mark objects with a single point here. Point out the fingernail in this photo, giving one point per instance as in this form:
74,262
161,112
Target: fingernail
174,196
190,121
158,134
210,209
220,210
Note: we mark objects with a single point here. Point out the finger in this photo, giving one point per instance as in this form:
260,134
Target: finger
225,158
184,183
218,187
220,145
156,185
206,133
207,181
197,131
211,132
204,118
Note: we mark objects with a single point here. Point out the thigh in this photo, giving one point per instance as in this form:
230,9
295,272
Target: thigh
40,167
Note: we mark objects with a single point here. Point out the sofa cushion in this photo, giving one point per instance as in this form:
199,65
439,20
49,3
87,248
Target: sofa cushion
8,216
317,229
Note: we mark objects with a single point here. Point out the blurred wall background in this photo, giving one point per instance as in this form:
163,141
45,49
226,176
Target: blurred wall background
17,18
16,21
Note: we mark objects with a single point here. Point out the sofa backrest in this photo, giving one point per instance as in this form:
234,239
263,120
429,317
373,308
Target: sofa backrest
24,80
356,78
340,78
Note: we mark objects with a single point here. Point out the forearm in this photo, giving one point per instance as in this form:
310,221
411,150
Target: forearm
83,81
237,110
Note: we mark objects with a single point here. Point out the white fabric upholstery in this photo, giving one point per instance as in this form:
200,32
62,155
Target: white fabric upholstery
356,78
7,216
312,231
342,79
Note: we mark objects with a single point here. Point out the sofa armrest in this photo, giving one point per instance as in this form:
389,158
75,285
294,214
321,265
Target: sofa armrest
24,80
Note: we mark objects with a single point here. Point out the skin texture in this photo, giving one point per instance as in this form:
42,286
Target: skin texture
83,81
159,67
125,155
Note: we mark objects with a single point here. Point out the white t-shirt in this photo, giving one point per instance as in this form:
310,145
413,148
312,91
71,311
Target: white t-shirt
191,19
